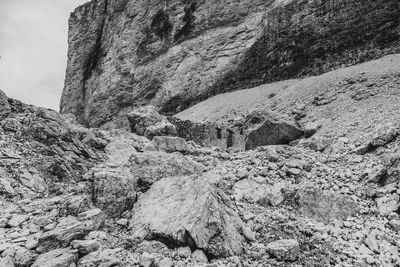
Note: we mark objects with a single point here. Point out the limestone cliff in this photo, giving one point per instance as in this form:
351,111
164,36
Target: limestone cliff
175,53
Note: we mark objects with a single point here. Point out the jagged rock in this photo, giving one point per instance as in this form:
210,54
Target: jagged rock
24,257
284,250
148,122
170,144
128,53
255,192
147,259
57,258
164,262
17,219
7,261
387,204
151,247
272,132
325,206
85,246
384,134
68,230
184,252
105,257
186,210
199,256
149,167
5,108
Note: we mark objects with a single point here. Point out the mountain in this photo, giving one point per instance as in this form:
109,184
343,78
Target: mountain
173,54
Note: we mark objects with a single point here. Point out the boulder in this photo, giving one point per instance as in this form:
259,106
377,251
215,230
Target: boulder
387,204
6,262
170,144
148,122
5,108
151,166
284,250
272,132
325,206
105,257
57,258
66,231
85,246
187,211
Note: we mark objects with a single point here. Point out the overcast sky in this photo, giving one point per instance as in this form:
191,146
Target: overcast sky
33,49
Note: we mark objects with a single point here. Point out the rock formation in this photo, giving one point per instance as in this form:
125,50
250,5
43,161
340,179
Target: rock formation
127,53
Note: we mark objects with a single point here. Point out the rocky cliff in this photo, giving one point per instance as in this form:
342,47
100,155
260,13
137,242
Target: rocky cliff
172,54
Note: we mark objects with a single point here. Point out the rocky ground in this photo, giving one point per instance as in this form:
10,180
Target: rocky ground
72,196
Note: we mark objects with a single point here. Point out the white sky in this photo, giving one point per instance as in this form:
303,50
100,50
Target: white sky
33,49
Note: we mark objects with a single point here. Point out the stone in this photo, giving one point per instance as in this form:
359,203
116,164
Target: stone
148,122
376,174
122,222
184,252
395,224
7,261
17,220
248,234
384,134
114,189
24,257
151,247
371,242
107,257
186,210
97,216
325,206
57,258
261,194
387,204
272,132
199,256
284,250
5,108
62,235
85,246
170,144
164,262
147,259
149,167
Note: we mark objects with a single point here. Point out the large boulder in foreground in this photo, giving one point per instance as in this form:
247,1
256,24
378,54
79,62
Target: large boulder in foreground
188,211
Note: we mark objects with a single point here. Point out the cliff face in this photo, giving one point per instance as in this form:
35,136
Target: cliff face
172,54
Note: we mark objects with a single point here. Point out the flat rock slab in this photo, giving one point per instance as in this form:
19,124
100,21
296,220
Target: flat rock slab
188,211
325,206
57,258
285,249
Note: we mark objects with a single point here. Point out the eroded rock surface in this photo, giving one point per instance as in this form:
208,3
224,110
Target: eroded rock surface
187,211
131,53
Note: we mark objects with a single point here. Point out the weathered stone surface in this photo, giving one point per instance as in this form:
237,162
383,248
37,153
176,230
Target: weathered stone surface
186,210
148,122
284,250
128,53
7,262
105,257
57,258
272,132
5,108
387,204
66,231
325,206
17,219
85,246
149,167
170,144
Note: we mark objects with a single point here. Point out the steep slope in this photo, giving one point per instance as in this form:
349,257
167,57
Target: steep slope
173,54
349,102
